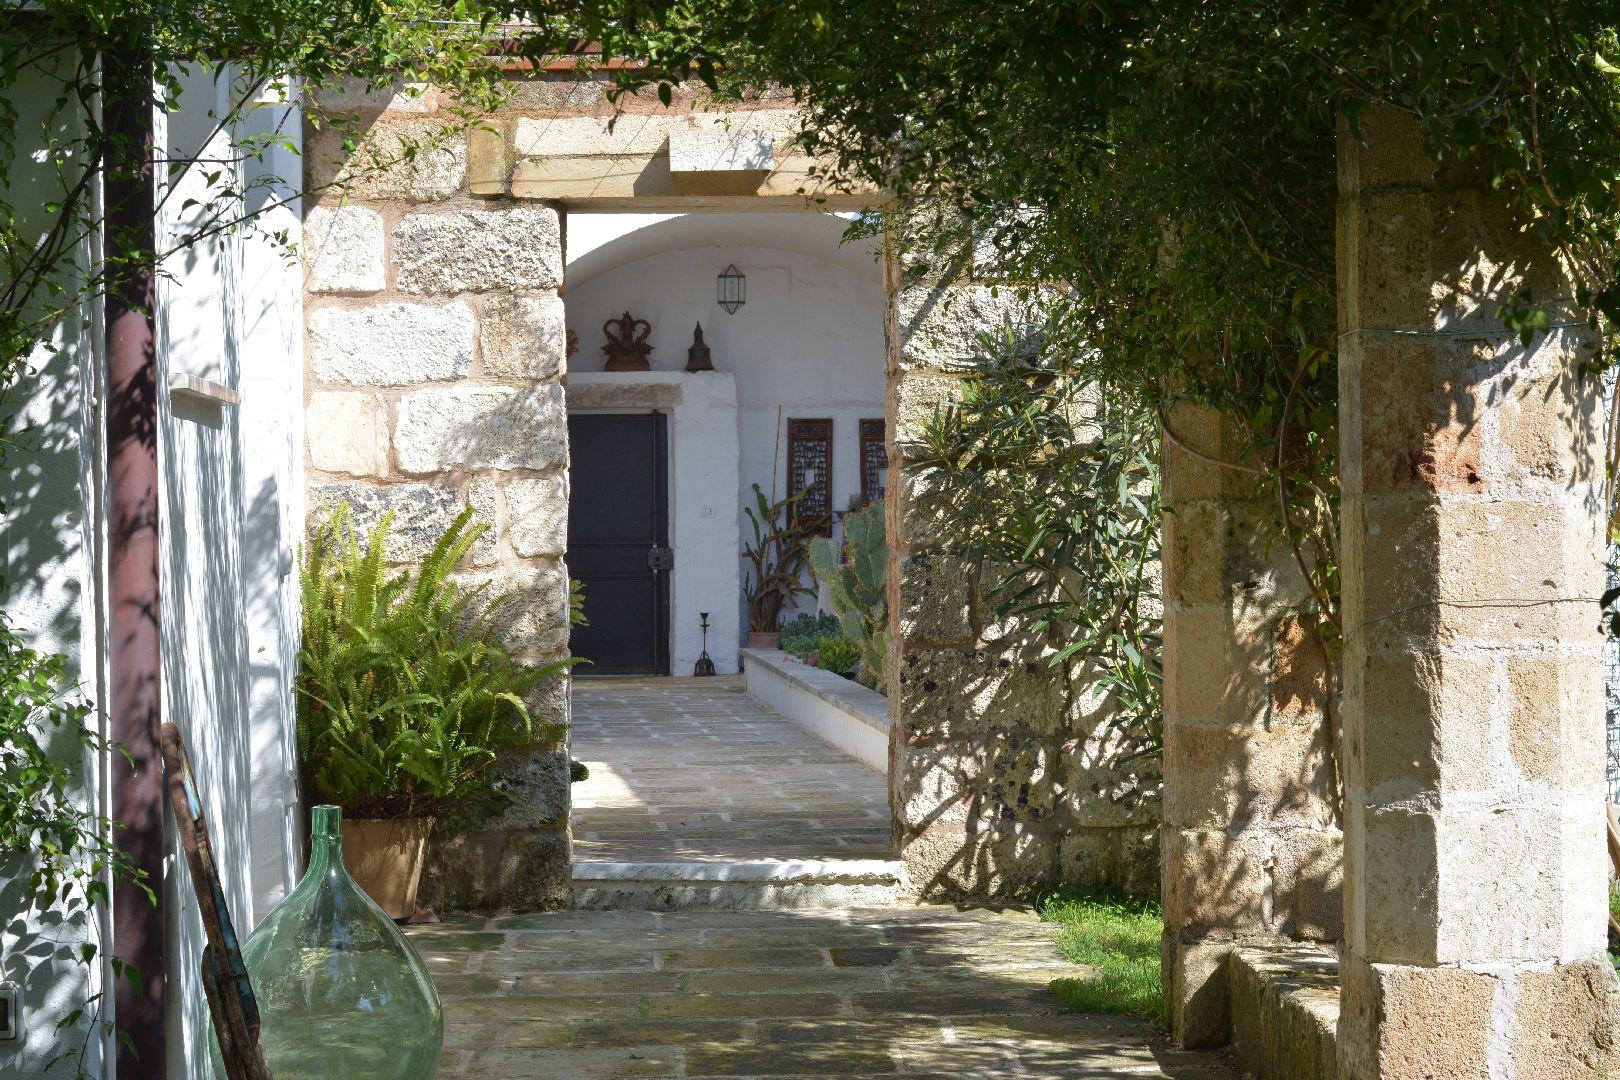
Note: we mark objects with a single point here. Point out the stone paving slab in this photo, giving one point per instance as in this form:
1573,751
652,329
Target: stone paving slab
692,770
908,991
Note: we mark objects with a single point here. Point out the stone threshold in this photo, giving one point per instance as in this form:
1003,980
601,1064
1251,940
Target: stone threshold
743,885
1285,1011
836,710
830,871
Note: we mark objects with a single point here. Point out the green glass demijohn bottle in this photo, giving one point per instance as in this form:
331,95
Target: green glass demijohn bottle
341,993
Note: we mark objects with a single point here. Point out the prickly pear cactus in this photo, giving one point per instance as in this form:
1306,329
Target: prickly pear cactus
857,577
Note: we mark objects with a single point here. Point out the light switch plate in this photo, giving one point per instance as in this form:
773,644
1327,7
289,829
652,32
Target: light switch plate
11,1017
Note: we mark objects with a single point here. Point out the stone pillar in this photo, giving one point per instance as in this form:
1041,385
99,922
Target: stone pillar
1252,846
1472,518
435,356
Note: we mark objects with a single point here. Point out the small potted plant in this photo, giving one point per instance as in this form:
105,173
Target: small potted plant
777,558
406,699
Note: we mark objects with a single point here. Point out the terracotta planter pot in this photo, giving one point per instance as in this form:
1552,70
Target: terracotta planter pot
385,859
757,640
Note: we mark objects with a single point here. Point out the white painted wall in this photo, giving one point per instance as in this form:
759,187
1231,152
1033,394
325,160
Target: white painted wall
809,339
230,311
703,463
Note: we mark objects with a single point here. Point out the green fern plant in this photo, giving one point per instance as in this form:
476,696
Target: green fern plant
406,696
857,574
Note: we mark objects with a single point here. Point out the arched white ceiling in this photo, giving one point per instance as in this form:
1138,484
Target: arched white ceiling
817,235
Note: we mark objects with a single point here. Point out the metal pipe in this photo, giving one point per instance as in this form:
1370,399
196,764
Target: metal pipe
135,703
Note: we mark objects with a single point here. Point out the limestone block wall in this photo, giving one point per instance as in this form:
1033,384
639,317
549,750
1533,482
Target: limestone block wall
1475,868
434,352
1252,842
1002,777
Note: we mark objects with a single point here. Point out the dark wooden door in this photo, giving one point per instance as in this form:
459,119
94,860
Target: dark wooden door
618,541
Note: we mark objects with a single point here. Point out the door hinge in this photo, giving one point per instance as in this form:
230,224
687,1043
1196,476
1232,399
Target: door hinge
660,559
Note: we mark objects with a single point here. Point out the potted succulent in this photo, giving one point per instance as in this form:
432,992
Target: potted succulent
777,558
406,699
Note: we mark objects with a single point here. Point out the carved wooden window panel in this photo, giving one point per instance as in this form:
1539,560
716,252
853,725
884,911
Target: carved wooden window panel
810,470
874,461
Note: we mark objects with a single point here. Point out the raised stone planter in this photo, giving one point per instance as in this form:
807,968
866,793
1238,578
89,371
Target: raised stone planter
1285,1011
831,707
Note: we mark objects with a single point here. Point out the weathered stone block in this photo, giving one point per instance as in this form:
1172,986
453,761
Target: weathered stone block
941,325
523,338
1414,1022
391,344
484,496
1197,442
537,784
1197,990
537,516
422,512
1214,881
951,693
1307,876
419,159
1567,1022
1230,552
529,608
498,870
1285,1012
712,150
481,429
1247,775
589,136
935,599
466,250
1214,670
915,401
345,250
356,95
1452,569
347,433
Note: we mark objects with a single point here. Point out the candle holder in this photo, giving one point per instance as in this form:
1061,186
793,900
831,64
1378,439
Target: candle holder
704,665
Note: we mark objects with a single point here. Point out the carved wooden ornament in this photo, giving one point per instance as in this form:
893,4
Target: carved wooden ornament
627,346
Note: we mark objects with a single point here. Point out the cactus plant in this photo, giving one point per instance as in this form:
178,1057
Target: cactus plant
857,574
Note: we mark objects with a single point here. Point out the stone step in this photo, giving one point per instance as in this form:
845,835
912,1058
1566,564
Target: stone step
743,885
1285,1011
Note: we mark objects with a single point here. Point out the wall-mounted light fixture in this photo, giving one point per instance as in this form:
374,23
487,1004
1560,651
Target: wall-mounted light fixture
731,289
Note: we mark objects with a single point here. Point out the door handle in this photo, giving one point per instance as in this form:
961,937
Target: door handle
660,559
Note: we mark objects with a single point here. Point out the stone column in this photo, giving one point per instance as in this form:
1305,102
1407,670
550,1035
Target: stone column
1252,846
1472,519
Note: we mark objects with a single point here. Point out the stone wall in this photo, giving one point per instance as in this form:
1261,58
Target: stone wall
1003,775
435,353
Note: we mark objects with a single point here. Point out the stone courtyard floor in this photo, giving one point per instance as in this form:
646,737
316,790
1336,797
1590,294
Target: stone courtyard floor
692,771
695,770
917,991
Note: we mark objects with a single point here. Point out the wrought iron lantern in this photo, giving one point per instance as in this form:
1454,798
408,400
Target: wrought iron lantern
731,289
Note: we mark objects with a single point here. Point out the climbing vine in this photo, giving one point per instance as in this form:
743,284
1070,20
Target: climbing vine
1169,169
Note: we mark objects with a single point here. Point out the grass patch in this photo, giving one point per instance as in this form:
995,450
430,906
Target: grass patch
1120,938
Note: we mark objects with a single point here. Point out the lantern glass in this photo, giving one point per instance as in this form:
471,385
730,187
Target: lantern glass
731,289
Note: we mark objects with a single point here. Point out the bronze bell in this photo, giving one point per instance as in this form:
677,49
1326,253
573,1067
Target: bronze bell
697,357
